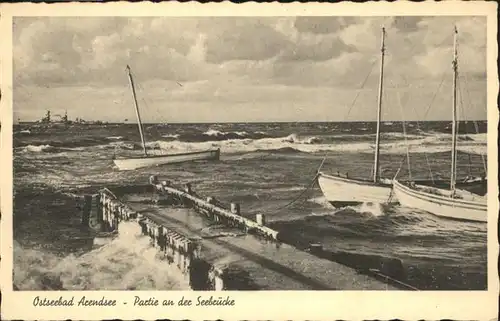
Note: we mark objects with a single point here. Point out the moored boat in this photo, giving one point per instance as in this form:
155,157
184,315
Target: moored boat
342,190
131,163
459,204
452,202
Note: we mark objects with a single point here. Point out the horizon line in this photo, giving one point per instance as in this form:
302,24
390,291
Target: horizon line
255,122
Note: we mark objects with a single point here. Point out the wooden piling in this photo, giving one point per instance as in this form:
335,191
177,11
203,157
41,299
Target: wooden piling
87,207
315,248
260,219
178,249
235,208
210,208
153,179
203,271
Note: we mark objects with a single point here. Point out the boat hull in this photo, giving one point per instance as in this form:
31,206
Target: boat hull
157,160
341,192
441,205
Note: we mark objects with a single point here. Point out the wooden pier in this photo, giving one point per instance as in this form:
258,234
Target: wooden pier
215,247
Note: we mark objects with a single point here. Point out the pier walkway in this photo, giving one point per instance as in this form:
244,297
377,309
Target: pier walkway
233,259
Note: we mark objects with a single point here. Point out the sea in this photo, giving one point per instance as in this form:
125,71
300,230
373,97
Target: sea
267,168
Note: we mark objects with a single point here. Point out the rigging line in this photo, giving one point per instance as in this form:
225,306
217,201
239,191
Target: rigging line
442,79
462,109
359,90
404,131
406,138
391,194
476,127
352,105
143,94
400,165
460,92
434,96
311,184
418,128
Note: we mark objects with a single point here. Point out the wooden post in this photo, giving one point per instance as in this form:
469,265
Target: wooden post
100,208
162,197
153,179
87,207
218,279
96,207
315,248
260,219
235,208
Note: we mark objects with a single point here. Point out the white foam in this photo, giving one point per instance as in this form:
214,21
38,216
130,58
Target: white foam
37,148
171,136
214,132
127,262
428,144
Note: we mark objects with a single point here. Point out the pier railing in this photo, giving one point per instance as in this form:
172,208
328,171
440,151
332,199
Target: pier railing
112,206
178,249
209,208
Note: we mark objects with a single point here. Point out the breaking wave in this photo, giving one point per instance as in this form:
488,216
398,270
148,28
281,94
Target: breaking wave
394,143
46,149
39,148
217,135
127,262
310,145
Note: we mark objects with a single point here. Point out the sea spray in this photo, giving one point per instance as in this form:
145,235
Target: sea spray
128,262
374,209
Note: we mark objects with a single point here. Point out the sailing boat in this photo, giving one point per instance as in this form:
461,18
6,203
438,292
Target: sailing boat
452,202
343,191
130,163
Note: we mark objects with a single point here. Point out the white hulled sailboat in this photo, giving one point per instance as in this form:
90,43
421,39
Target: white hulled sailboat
342,190
130,163
452,202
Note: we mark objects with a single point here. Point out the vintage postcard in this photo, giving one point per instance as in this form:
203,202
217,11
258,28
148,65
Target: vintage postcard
253,161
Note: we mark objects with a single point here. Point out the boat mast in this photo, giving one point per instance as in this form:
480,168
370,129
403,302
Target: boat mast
379,110
139,123
454,115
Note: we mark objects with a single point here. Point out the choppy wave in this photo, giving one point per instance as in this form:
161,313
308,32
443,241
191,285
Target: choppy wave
66,142
114,137
305,144
217,135
46,149
387,223
38,148
475,144
297,139
172,136
128,262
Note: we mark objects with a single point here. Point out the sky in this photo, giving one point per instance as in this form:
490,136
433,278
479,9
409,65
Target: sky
247,69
